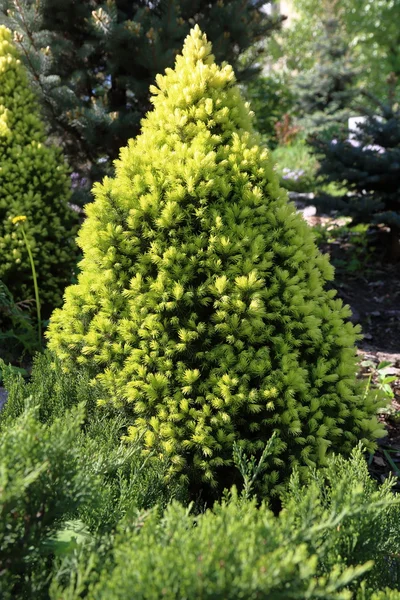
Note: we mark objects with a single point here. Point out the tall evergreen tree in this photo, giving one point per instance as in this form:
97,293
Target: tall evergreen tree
93,62
326,91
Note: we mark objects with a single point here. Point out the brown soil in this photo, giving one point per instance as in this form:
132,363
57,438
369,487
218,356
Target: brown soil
373,293
375,304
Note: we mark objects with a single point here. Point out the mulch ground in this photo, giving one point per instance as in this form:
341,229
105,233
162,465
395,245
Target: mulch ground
373,293
376,306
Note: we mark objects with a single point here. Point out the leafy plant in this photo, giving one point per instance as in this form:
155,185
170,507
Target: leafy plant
379,378
379,381
270,97
65,484
358,250
17,333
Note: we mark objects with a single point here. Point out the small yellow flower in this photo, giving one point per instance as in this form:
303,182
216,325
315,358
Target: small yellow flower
19,219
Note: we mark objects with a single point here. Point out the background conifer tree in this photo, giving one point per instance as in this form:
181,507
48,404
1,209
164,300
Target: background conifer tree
34,183
326,92
367,163
92,62
201,306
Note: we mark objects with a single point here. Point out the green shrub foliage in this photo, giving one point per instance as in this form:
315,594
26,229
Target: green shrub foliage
34,183
54,391
201,304
78,515
270,97
40,484
387,594
63,482
334,538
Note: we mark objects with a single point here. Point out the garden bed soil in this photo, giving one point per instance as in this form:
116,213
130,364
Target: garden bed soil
376,306
373,294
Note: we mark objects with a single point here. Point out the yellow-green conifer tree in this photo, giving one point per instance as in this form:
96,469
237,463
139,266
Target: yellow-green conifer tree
34,183
201,306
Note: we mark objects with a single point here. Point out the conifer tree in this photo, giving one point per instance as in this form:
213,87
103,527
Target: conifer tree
93,62
34,183
200,307
326,92
367,164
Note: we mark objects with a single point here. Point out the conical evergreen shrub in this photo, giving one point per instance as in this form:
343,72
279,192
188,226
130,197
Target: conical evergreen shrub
201,305
34,182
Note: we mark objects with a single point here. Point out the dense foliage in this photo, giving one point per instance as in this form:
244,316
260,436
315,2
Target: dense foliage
84,516
332,535
369,28
368,163
201,304
325,93
62,467
41,483
92,63
202,345
34,183
271,98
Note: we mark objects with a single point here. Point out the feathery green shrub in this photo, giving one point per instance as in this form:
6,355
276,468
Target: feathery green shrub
40,484
64,480
54,391
83,515
34,182
336,536
201,304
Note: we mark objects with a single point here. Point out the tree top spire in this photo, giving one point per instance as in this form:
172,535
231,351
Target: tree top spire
197,48
198,93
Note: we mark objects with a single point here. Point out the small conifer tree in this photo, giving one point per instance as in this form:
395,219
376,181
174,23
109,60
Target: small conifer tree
34,183
200,305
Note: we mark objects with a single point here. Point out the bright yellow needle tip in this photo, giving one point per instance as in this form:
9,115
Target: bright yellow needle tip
19,219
